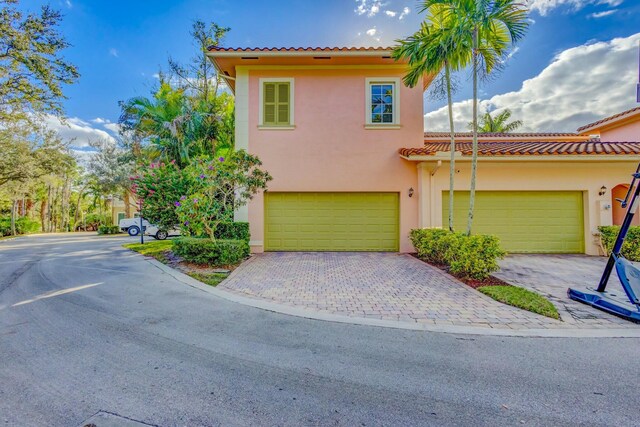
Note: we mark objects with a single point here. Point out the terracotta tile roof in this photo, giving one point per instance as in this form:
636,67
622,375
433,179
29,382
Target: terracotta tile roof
529,148
499,134
606,119
295,49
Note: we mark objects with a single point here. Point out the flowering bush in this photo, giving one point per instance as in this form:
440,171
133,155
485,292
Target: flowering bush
202,195
219,186
159,186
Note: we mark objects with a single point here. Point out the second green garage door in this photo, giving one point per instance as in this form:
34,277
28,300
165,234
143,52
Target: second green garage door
525,221
331,221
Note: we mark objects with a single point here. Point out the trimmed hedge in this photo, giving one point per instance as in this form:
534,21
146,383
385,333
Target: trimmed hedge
24,225
233,231
108,229
211,252
630,247
472,257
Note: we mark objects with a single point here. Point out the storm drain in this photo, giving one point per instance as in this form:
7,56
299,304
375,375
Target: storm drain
108,419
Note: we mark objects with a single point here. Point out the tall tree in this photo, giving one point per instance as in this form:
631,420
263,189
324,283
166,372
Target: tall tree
498,124
33,69
489,27
111,167
436,49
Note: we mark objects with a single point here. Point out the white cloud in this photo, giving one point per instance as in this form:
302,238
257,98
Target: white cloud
368,7
76,130
113,127
390,13
113,52
404,13
99,120
543,7
580,85
373,33
602,14
68,3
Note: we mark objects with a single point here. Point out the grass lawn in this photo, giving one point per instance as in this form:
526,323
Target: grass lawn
153,248
209,278
161,250
521,298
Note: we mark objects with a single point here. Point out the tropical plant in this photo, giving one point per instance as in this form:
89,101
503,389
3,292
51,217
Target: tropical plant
222,185
498,124
489,28
436,50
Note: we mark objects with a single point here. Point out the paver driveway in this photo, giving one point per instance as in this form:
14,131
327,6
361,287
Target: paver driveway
386,286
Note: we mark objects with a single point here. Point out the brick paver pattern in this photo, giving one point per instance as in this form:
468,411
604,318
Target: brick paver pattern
387,286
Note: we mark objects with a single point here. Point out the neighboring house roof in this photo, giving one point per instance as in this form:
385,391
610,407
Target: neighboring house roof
611,120
529,148
226,59
513,136
298,49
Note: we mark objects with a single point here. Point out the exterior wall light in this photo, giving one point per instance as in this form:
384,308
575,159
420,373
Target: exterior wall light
411,192
603,191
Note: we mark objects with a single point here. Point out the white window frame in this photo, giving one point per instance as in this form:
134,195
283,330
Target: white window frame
395,81
261,82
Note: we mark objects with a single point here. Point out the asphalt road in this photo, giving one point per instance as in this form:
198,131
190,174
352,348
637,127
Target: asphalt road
121,336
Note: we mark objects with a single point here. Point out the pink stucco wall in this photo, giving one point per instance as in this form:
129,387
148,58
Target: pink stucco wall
626,132
330,149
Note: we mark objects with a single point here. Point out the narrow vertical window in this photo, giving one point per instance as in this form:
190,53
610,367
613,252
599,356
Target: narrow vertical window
382,100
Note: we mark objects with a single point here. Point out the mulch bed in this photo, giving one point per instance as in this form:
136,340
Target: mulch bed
490,281
174,261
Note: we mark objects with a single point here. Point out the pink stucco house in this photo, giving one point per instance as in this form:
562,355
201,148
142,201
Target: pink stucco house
354,170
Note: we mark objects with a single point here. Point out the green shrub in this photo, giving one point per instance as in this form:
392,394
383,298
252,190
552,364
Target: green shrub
630,247
233,231
474,257
24,225
211,252
108,229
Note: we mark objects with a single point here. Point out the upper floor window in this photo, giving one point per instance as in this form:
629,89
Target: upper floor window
383,102
276,102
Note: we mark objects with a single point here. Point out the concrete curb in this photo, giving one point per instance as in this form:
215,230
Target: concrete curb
396,324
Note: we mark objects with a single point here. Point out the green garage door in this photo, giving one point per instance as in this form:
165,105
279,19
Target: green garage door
331,221
525,221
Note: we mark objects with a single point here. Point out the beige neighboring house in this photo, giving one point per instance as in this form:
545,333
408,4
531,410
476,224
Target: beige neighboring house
539,192
118,210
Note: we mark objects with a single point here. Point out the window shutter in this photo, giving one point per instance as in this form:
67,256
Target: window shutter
269,107
283,103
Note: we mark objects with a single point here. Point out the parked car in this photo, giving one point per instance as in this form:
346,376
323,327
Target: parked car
160,233
132,225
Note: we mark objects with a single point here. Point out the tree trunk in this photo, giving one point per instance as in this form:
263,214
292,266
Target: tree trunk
75,215
14,208
127,203
452,147
43,215
474,156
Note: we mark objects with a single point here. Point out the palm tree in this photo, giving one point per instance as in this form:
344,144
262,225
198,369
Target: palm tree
490,27
431,50
497,124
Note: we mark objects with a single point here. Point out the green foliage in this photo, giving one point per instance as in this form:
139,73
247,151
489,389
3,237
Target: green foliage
473,257
108,229
94,220
33,70
23,226
219,186
211,252
233,231
521,298
160,186
630,247
499,123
